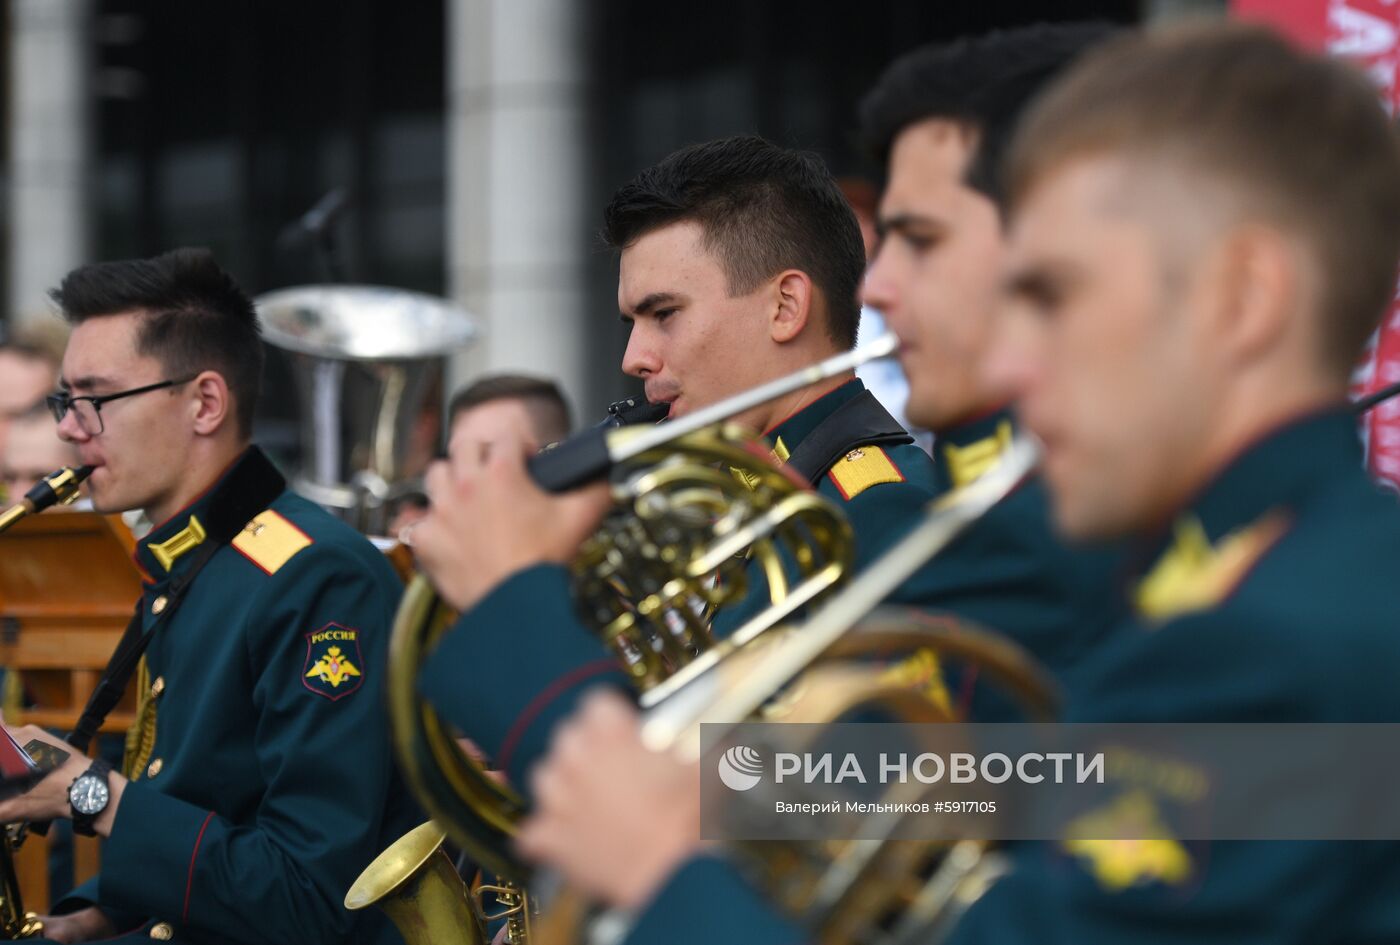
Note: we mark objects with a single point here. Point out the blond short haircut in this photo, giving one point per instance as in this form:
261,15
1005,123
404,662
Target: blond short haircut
1302,141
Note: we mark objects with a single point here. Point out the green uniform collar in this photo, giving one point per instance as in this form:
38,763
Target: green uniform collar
963,452
218,514
1277,470
1216,540
790,432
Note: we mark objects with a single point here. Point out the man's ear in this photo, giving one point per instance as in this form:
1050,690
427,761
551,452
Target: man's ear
793,295
1257,284
211,403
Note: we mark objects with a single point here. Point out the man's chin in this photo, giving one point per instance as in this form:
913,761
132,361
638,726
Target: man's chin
104,500
927,411
1085,519
106,508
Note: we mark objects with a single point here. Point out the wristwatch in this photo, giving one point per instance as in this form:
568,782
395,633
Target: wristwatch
88,796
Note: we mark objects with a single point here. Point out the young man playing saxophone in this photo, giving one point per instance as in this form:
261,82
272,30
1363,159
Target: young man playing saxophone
261,780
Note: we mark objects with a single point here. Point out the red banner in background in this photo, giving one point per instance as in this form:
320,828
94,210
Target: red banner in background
1368,33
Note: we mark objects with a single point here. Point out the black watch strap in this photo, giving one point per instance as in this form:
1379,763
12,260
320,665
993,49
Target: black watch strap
83,823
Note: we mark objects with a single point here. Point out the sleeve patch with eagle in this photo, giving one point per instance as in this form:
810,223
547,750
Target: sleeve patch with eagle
333,662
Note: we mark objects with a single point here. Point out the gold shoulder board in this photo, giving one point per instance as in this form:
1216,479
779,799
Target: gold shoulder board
270,541
861,468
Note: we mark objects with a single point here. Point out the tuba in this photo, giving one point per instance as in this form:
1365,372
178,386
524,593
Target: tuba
59,488
367,360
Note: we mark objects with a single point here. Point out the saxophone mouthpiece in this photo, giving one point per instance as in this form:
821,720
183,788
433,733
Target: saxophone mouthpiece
56,488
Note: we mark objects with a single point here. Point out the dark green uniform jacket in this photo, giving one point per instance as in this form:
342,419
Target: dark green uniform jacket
269,783
1274,599
515,664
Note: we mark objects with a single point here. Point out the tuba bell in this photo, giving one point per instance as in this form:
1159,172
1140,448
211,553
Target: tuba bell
366,361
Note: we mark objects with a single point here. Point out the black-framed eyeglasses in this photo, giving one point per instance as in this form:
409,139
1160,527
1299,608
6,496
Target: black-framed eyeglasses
88,409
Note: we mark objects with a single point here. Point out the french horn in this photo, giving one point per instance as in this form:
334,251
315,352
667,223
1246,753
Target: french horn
726,683
859,892
699,504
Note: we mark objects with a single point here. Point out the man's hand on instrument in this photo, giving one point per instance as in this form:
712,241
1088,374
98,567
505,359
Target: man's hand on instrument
48,800
489,520
612,816
85,925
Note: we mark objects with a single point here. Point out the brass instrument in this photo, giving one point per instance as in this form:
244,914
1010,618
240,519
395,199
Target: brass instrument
691,498
416,884
367,361
858,891
59,488
845,890
15,923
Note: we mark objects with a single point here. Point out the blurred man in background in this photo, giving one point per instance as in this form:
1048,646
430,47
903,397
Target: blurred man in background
491,409
1206,225
31,451
500,406
883,376
29,362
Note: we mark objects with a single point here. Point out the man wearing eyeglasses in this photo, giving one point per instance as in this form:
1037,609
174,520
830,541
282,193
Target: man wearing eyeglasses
259,783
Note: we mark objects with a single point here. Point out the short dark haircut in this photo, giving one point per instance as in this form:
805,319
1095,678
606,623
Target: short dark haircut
541,398
763,209
1300,141
983,83
195,317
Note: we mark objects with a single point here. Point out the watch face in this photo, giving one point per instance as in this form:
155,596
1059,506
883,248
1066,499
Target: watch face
89,794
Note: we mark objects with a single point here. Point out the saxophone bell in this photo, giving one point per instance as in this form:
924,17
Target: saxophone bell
416,885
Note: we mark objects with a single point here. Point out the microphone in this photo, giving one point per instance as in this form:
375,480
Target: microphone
316,222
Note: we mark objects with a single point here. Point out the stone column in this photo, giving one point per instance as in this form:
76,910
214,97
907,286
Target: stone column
49,205
516,185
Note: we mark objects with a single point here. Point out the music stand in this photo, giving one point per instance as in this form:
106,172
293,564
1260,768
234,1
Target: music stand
68,583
